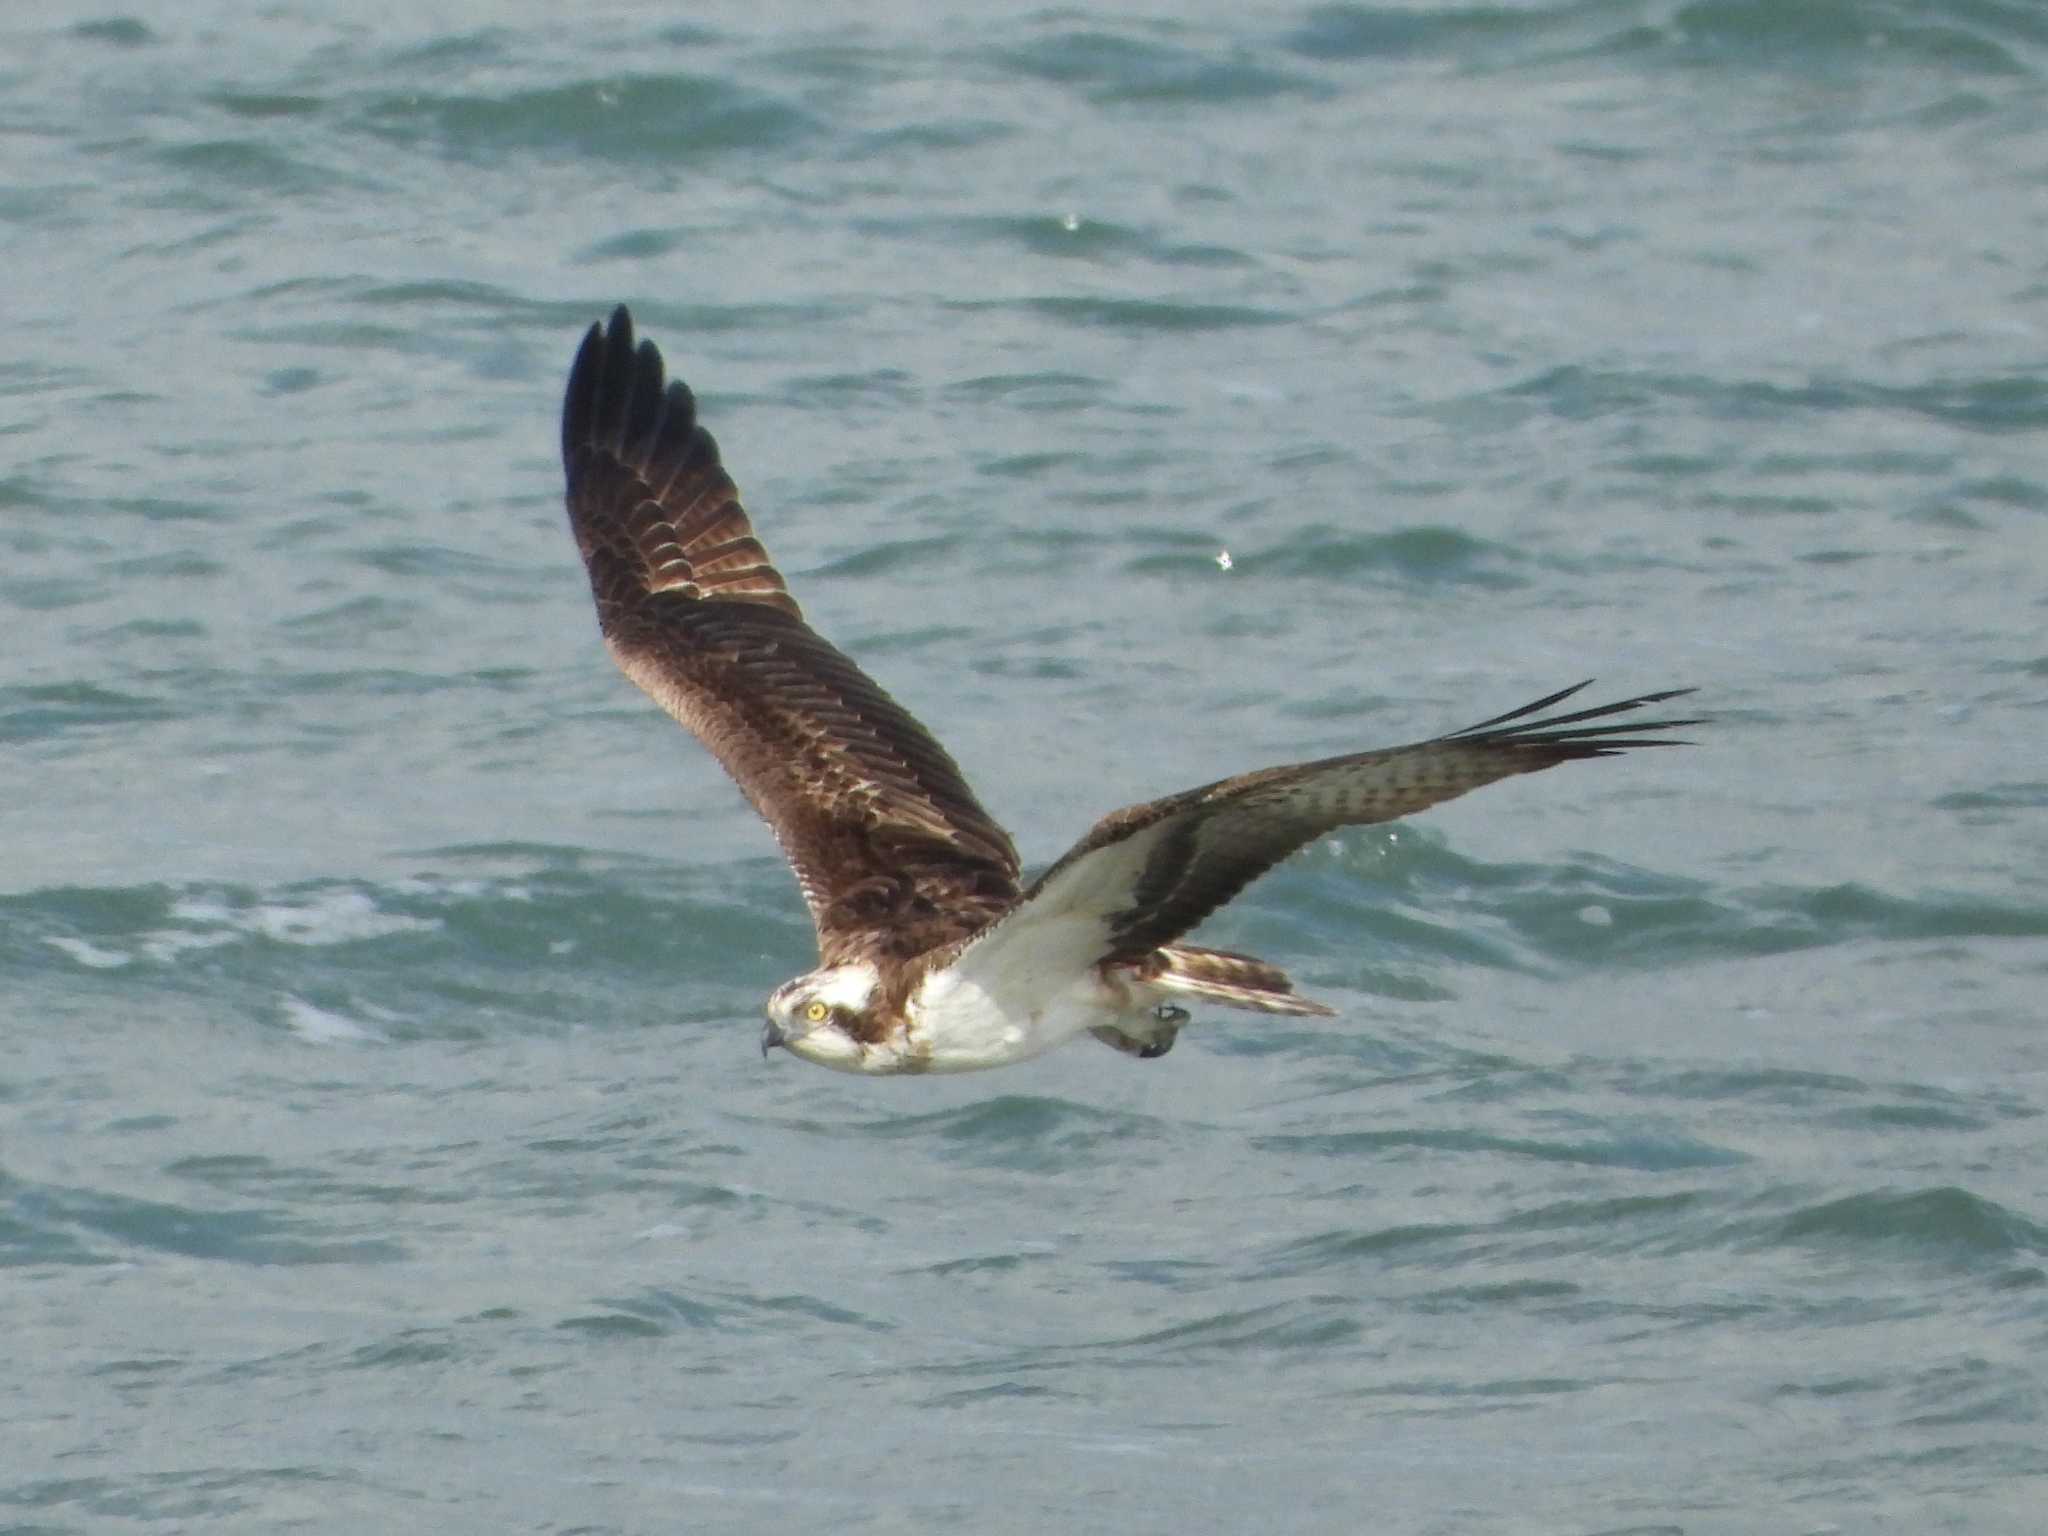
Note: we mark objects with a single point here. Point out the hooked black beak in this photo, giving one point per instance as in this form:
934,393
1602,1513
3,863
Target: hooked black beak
771,1036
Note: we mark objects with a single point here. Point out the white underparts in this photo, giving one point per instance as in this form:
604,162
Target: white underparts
959,1024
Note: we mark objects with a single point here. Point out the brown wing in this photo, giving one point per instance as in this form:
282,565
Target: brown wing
1154,871
892,851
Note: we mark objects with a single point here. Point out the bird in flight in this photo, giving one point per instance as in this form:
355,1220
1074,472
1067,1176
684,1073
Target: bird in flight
934,953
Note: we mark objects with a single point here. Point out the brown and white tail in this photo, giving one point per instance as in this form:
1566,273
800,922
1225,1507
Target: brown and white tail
1218,976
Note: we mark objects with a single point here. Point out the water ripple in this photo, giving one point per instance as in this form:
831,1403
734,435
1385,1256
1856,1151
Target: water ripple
60,1224
1643,1150
1111,69
1946,1223
639,119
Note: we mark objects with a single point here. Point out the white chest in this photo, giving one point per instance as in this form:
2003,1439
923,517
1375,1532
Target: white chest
958,1024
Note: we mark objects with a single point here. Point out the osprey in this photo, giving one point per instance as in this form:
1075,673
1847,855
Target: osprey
934,955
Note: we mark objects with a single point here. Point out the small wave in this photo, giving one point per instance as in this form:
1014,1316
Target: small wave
1017,1131
1065,236
1285,1326
231,169
322,915
324,1026
1425,555
980,1264
59,1224
1590,912
1661,1225
1992,405
1309,1326
659,1311
1890,35
413,1347
266,106
1501,1294
619,1325
1347,32
290,1183
1425,1243
1982,807
646,119
39,712
892,557
1135,315
1945,1222
1791,918
533,937
1111,69
106,930
119,31
1745,35
999,1393
1645,1151
1032,392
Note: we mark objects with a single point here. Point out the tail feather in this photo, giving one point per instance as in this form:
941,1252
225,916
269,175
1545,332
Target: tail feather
1218,976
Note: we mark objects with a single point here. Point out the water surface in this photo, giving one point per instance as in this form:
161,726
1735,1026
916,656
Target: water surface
383,1142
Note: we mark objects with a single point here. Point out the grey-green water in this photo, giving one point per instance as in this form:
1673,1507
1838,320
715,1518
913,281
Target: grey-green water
383,1142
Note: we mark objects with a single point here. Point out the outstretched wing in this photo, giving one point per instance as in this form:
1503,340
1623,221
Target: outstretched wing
1145,875
892,850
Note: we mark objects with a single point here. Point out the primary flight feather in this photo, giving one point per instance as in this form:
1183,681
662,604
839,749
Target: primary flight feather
933,954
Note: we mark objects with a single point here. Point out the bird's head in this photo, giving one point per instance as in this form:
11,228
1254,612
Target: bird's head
822,1016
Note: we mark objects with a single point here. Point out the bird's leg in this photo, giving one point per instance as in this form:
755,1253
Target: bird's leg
1166,1022
1149,1040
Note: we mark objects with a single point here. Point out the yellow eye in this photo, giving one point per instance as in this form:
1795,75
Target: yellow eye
816,1012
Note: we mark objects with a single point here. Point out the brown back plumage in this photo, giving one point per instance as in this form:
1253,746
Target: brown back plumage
894,854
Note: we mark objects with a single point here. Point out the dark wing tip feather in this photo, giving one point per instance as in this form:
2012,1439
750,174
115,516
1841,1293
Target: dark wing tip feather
580,401
640,422
620,368
652,505
1570,736
618,392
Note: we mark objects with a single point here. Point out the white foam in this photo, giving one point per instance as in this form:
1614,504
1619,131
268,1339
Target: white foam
166,944
326,917
322,1026
90,954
